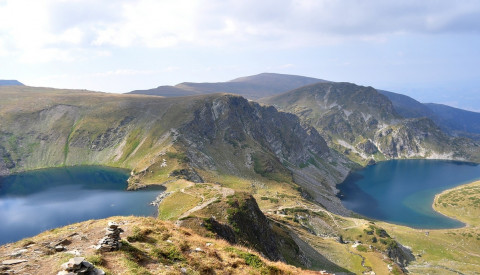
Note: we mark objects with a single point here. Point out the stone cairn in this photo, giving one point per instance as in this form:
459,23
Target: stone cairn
111,240
78,266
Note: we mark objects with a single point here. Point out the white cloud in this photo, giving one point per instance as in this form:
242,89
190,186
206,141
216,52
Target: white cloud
57,29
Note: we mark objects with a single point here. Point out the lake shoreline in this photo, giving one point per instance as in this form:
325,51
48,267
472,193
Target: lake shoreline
445,192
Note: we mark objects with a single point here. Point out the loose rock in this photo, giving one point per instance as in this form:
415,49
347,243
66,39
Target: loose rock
78,266
16,261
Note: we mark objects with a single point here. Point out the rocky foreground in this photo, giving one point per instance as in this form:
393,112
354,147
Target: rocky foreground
147,246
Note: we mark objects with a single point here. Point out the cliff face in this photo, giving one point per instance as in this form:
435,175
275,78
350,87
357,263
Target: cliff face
363,124
235,121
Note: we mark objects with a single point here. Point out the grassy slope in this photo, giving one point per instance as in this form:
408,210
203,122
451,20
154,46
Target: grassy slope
94,128
461,203
150,246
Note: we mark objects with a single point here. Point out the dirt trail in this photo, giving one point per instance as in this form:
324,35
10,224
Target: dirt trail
221,190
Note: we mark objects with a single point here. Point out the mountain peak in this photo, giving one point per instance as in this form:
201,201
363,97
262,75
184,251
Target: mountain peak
262,77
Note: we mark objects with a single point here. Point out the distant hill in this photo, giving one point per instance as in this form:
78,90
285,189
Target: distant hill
252,87
456,119
456,122
408,107
10,83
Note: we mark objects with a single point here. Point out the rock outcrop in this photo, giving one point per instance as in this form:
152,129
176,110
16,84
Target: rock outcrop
400,255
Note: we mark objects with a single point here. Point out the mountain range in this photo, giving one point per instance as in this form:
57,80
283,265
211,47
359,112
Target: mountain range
251,87
407,116
262,175
365,125
456,122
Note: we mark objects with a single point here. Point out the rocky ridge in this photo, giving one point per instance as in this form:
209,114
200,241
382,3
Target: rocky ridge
363,124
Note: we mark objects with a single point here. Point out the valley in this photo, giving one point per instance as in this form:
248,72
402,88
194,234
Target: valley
242,174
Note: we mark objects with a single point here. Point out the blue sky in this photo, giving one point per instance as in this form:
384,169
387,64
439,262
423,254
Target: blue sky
427,49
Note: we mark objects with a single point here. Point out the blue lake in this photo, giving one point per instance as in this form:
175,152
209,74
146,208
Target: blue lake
402,191
35,201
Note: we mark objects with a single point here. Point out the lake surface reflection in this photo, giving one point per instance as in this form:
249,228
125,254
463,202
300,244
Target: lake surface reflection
35,201
402,191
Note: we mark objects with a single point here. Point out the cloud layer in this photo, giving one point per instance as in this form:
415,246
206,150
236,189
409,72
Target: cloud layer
46,30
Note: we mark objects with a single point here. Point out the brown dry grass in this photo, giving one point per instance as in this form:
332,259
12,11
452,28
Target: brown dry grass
150,246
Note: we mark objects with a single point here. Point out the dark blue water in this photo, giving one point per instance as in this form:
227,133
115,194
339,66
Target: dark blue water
35,201
402,191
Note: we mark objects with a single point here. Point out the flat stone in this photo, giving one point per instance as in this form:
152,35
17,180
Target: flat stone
63,242
16,261
112,224
18,252
77,260
87,264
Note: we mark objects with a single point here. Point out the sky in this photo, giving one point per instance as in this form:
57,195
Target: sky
427,49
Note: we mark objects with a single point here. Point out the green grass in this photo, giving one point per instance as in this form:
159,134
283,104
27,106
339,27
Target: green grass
133,141
133,259
250,259
66,147
95,259
175,205
168,253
